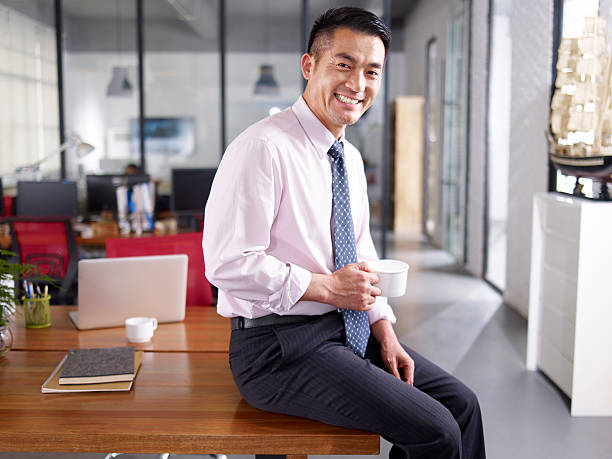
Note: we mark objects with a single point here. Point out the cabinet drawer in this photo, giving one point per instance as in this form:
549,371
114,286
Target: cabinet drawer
556,367
561,255
562,219
559,293
558,331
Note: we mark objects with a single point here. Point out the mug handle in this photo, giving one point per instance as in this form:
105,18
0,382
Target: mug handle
154,321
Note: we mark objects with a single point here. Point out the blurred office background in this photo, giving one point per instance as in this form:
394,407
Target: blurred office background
454,148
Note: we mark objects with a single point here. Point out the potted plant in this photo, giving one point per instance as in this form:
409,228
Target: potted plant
9,274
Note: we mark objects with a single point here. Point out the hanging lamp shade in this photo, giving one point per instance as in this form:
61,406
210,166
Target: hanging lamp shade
119,85
266,84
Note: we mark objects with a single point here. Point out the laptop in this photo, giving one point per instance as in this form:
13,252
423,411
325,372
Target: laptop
113,289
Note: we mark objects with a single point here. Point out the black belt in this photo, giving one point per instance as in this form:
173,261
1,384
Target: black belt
240,323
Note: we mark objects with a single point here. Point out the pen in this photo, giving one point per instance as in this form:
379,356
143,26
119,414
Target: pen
25,288
46,290
38,291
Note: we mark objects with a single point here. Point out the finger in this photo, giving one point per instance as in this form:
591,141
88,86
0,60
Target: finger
393,368
375,291
373,278
409,374
363,266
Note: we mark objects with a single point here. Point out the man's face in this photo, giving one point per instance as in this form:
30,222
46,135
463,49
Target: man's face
345,78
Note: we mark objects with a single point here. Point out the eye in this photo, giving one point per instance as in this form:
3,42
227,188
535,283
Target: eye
343,65
373,73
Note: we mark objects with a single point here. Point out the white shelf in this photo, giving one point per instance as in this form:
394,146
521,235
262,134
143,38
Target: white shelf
570,299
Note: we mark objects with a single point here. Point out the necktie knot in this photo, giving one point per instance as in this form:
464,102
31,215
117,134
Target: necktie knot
337,150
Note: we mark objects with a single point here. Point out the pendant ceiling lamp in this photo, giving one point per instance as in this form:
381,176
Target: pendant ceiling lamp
266,83
119,85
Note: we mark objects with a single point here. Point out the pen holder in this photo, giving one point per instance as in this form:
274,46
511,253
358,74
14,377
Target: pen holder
37,312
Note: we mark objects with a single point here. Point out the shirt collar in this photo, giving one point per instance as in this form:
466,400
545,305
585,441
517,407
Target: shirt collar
317,133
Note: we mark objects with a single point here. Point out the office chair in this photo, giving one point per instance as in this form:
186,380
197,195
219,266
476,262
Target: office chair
48,244
8,206
199,290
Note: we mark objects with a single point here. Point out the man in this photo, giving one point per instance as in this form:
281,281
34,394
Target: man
286,241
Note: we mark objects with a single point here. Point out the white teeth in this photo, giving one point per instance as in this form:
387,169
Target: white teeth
346,100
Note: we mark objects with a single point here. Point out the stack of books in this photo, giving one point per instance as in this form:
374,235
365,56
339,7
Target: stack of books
93,370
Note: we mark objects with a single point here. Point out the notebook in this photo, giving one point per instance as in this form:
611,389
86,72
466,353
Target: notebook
113,289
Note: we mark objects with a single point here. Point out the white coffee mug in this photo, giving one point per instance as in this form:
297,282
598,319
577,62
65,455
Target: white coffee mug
392,276
140,329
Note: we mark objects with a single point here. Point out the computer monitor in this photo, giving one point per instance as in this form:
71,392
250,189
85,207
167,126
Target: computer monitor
190,190
101,190
47,199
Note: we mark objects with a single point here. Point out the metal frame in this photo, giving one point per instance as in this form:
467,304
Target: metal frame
141,100
487,162
426,150
59,31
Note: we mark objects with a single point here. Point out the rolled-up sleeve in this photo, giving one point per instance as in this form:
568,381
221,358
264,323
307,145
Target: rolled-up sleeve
240,212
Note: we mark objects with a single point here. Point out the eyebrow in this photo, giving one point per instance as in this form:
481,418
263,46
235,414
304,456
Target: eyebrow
352,60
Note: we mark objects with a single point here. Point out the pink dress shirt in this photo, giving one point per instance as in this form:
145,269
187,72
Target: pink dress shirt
268,218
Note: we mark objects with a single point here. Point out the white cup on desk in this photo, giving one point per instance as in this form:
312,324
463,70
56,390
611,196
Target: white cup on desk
140,329
392,276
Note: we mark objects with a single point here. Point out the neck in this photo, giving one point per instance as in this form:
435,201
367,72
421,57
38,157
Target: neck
336,131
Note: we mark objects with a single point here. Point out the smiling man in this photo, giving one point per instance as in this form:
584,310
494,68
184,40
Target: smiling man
287,242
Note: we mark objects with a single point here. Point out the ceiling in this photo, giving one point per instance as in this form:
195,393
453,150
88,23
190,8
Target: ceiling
185,9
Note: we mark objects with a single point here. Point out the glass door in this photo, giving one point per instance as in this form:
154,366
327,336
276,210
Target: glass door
455,132
499,142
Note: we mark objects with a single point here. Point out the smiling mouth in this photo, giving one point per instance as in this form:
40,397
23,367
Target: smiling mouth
347,100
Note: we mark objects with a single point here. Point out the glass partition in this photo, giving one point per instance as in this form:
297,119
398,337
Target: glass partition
182,90
263,60
29,104
100,83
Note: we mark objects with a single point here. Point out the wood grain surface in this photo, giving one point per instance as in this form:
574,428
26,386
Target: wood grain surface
180,403
202,331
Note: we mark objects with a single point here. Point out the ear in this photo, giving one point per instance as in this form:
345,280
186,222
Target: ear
307,64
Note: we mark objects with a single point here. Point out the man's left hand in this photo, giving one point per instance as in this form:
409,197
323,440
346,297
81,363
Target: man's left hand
394,356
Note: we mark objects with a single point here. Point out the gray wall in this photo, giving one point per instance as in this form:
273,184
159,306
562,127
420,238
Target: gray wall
532,27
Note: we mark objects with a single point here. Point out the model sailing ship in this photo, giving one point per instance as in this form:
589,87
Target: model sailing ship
581,109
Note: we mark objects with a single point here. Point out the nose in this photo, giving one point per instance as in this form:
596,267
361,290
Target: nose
356,81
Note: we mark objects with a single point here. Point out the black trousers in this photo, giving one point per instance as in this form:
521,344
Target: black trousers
306,370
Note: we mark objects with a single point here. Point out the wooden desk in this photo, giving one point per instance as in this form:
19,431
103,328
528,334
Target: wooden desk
181,403
202,331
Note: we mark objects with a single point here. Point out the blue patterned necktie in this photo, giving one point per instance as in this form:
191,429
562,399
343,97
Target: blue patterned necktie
356,323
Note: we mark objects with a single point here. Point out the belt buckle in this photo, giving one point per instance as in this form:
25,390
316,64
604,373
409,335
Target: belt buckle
240,323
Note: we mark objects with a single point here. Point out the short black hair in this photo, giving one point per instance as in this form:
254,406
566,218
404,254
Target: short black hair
349,17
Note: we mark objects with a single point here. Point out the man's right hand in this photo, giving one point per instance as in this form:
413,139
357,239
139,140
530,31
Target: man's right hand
351,287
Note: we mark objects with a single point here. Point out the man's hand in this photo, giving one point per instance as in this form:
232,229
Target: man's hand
351,287
395,358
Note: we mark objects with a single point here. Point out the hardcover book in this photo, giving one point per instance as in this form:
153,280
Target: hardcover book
91,366
52,384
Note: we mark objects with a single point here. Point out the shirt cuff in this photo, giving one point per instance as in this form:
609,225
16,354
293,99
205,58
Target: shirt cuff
294,288
381,309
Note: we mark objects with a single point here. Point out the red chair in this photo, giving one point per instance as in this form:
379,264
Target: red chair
199,291
48,244
8,204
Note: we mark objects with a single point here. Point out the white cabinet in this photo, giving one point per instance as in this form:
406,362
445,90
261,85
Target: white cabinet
570,299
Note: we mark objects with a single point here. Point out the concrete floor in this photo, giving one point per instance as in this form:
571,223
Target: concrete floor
462,325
